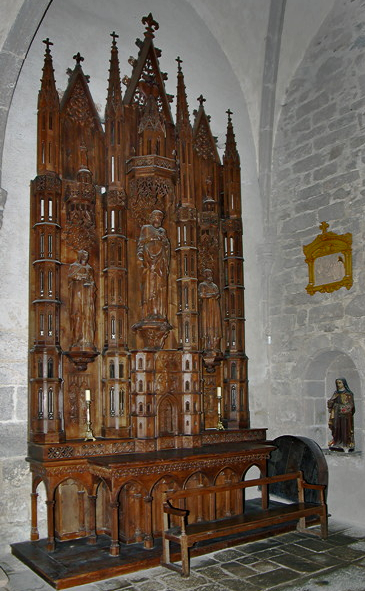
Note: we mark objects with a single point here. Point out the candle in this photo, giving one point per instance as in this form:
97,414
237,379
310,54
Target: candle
219,392
87,395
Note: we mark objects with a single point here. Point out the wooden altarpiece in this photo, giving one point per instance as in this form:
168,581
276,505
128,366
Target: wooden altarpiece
136,306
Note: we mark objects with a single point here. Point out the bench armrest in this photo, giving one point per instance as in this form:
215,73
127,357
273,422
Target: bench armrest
174,510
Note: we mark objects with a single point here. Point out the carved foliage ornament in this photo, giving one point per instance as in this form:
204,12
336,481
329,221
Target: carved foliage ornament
78,107
149,193
329,260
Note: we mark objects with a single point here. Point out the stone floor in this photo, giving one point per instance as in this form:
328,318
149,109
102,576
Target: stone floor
290,562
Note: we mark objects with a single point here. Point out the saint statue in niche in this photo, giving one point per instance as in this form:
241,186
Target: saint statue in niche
211,323
81,286
341,422
154,251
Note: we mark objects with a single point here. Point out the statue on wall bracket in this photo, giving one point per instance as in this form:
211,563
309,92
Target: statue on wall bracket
211,321
329,259
153,250
82,293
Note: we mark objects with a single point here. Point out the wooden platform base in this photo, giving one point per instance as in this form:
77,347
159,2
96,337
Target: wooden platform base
77,563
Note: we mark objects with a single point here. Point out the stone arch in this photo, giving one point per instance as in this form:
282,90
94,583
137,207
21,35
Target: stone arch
103,511
318,384
231,503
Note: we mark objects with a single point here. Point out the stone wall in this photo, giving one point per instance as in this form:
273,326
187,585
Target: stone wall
319,175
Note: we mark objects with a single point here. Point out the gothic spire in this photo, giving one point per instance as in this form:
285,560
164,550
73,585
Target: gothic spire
114,98
230,153
182,109
48,96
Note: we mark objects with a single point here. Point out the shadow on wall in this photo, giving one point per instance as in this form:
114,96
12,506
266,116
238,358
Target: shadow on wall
319,385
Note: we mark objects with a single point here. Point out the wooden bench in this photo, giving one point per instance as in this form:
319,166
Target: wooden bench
186,534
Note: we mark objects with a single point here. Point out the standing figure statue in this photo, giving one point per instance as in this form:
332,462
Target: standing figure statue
341,422
211,322
81,287
154,251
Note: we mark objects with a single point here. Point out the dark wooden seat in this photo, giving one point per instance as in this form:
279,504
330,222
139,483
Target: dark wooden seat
186,534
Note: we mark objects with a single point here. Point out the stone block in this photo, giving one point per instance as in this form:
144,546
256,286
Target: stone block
299,222
309,163
339,180
15,473
21,403
311,191
314,388
326,313
13,439
356,307
345,120
330,67
313,203
312,105
7,403
325,171
334,137
335,211
325,113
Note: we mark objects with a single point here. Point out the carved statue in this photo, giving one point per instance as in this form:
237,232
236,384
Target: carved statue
154,251
211,323
341,422
81,288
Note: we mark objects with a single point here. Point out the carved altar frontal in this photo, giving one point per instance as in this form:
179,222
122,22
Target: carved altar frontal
136,302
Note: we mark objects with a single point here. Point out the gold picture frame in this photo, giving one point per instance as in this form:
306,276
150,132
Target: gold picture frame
329,259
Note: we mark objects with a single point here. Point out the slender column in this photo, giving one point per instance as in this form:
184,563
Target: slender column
138,515
92,519
34,533
81,500
148,539
114,546
50,524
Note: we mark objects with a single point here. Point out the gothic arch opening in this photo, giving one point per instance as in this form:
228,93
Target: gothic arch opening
318,386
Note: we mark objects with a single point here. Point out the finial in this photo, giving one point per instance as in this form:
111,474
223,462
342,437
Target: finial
201,100
229,113
115,36
151,25
47,43
179,62
323,226
78,57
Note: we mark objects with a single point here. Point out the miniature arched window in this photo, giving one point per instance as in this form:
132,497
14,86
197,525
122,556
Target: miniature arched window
40,368
140,386
121,370
192,264
50,368
233,335
41,325
186,296
231,269
119,289
233,371
225,245
184,234
233,304
50,403
194,406
187,386
186,332
233,397
231,245
185,263
112,254
112,289
112,326
41,246
42,208
187,406
111,369
140,407
112,215
50,325
50,283
120,253
178,236
121,402
50,246
187,365
148,408
41,283
140,363
40,403
112,401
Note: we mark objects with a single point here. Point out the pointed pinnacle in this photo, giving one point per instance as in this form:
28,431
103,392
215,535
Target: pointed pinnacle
151,25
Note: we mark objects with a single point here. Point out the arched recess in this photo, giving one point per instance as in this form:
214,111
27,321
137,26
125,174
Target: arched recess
252,492
132,525
39,519
318,385
103,511
166,483
167,416
71,510
230,502
200,507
